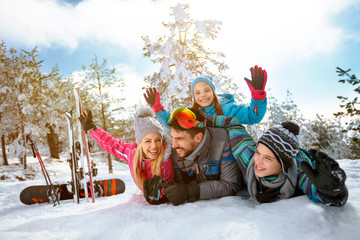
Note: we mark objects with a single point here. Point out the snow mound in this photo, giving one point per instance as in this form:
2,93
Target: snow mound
129,216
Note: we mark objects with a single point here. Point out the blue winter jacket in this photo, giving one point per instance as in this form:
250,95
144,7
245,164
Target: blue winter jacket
245,114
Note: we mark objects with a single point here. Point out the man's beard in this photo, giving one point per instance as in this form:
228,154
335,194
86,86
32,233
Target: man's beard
188,151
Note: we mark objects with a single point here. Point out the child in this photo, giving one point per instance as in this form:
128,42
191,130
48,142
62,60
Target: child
205,99
276,168
150,155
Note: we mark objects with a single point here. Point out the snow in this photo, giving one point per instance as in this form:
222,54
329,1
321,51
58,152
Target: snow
129,216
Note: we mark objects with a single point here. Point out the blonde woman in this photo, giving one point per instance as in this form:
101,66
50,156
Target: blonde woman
150,155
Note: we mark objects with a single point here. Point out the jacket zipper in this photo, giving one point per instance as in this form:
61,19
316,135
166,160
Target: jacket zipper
197,169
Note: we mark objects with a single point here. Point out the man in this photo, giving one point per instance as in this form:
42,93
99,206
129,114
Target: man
204,165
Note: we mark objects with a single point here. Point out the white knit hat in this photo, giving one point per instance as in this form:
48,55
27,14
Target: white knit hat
145,123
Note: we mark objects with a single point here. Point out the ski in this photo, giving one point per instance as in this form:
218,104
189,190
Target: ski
80,155
39,193
85,145
52,190
73,160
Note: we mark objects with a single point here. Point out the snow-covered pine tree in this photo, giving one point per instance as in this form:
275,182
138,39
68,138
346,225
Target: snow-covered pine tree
6,100
25,102
351,109
59,101
101,80
276,113
322,134
355,145
328,135
182,57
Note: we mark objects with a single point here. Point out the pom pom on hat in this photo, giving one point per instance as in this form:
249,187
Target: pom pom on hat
144,111
292,127
145,123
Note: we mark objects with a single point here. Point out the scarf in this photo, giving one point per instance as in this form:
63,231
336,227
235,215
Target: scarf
286,183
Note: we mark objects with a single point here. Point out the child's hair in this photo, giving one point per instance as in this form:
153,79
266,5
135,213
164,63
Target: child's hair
155,164
218,108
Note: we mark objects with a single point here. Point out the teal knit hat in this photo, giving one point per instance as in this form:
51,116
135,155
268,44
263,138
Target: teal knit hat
203,78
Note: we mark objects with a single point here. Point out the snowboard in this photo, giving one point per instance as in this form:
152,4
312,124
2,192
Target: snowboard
39,193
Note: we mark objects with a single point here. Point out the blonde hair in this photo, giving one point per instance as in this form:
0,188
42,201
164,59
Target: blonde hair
218,108
155,164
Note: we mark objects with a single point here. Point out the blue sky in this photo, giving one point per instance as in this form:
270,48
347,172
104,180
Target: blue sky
299,43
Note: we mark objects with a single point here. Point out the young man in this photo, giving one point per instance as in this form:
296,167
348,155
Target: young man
276,168
204,165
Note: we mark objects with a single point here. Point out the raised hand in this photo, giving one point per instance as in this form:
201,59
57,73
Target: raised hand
87,121
258,78
152,97
257,83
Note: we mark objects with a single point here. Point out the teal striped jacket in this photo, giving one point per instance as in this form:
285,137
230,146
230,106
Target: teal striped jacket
243,148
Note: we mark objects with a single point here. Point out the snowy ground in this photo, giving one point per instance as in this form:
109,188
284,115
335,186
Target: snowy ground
128,216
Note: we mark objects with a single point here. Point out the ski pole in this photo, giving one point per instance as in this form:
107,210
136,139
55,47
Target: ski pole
53,192
36,154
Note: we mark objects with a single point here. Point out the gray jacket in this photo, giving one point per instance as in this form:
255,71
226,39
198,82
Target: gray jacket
211,164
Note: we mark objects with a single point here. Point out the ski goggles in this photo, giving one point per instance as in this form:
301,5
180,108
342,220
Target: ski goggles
186,118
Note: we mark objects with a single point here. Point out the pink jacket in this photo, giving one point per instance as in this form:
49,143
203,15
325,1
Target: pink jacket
126,151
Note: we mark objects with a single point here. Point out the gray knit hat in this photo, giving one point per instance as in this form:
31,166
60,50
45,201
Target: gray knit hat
145,123
283,142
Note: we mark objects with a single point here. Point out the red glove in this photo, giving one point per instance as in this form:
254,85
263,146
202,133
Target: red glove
152,97
257,83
